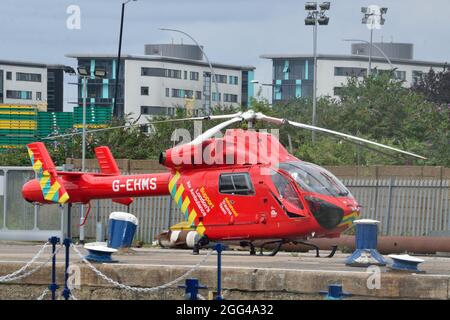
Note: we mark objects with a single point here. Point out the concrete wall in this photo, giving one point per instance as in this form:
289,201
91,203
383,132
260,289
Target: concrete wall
237,283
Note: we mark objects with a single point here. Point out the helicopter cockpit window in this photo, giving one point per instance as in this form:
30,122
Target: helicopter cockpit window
286,190
236,183
313,178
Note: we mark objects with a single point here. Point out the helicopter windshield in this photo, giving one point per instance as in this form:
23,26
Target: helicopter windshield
313,178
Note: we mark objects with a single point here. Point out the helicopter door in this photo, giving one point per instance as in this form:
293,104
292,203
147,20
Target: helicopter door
288,196
237,189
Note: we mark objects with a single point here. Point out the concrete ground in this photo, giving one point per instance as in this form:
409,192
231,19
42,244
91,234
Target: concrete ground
15,253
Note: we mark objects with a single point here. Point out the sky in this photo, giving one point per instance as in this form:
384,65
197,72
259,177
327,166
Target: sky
231,31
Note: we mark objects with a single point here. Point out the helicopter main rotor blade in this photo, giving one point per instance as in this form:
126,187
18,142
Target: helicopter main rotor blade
211,132
279,121
212,117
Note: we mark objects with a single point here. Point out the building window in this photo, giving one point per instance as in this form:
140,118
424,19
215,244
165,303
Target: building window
198,95
194,75
38,96
144,91
233,80
170,73
221,78
230,98
153,110
34,77
185,75
167,92
14,94
214,96
400,75
416,76
181,93
153,72
8,75
350,72
189,94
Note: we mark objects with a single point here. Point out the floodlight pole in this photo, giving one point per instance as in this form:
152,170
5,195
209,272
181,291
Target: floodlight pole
314,116
83,151
116,85
369,72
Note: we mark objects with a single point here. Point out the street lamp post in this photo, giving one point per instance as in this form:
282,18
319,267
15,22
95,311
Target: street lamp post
116,86
213,75
373,19
84,74
316,17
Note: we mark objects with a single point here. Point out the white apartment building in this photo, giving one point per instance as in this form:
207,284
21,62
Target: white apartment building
293,74
166,78
29,83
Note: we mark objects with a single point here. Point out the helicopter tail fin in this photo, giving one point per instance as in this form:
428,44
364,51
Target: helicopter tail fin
51,185
108,165
106,161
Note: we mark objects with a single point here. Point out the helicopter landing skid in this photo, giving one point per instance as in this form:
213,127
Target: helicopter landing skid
333,248
274,251
251,245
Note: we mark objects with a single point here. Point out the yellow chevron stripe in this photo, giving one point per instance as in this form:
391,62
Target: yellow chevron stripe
348,220
53,189
192,216
185,204
63,198
200,229
43,181
37,165
30,153
179,193
174,180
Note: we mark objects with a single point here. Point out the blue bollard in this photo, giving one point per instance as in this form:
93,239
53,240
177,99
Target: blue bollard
404,262
219,248
53,286
335,292
366,239
66,292
192,285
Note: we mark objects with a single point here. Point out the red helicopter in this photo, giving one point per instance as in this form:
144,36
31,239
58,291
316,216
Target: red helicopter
244,186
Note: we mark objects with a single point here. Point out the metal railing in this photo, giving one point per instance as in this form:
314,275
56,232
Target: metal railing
405,207
20,220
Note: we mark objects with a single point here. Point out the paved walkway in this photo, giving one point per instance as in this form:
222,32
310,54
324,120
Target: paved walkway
283,260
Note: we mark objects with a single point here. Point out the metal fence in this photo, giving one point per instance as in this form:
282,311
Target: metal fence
404,207
20,220
155,214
